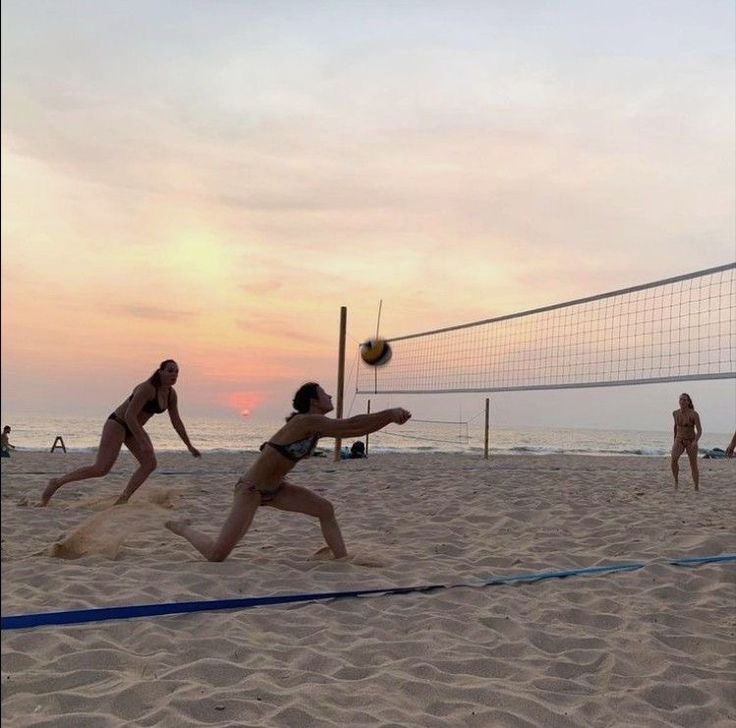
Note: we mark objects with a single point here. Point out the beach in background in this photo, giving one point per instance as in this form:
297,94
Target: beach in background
240,434
652,647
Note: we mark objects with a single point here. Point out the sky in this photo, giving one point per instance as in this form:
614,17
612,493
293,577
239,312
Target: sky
212,181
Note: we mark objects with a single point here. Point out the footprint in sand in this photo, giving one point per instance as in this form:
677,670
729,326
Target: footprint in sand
369,561
325,554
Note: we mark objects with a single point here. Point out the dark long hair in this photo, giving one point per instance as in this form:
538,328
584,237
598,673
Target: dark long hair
689,400
303,399
155,378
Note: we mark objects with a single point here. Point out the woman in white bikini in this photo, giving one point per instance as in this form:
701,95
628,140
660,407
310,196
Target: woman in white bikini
264,482
687,433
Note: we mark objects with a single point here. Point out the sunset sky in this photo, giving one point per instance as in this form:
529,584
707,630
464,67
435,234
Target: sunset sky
211,181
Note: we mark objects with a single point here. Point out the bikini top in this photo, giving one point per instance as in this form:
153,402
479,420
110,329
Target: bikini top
152,406
295,451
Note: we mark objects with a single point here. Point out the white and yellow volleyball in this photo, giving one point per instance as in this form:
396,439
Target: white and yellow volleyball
375,352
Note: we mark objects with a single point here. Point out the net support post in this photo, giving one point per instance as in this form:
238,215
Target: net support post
341,374
367,436
487,427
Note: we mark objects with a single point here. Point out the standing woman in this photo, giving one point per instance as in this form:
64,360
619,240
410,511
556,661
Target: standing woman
265,484
125,427
687,433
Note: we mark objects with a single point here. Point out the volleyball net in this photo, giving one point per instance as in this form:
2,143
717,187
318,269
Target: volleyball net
677,329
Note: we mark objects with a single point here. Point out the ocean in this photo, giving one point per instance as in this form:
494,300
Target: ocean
80,434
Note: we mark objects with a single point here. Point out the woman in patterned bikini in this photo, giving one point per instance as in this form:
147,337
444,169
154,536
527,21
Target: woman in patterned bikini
264,484
125,427
687,433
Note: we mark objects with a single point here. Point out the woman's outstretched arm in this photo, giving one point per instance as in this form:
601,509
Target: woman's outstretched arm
355,426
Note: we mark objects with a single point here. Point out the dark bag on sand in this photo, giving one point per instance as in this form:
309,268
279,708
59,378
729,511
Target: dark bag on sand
714,454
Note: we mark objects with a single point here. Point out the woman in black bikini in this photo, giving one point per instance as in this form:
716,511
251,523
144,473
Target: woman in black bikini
687,433
125,427
264,482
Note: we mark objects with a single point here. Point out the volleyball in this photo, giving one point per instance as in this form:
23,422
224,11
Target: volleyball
375,352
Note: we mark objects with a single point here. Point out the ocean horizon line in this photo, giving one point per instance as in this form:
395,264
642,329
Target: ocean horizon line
82,434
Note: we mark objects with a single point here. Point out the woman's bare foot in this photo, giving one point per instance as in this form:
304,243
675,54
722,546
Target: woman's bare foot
51,488
177,526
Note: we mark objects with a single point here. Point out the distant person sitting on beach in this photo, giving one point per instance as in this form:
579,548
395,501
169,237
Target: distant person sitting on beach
354,452
357,450
264,482
731,446
687,433
5,446
125,427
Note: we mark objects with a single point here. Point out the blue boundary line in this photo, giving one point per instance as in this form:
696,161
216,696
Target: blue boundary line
105,614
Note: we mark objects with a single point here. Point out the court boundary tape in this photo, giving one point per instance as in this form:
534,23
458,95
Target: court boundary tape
106,614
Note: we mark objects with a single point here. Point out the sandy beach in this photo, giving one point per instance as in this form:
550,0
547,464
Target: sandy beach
655,647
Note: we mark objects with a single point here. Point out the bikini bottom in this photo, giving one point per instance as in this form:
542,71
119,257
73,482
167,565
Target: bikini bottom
122,423
266,495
